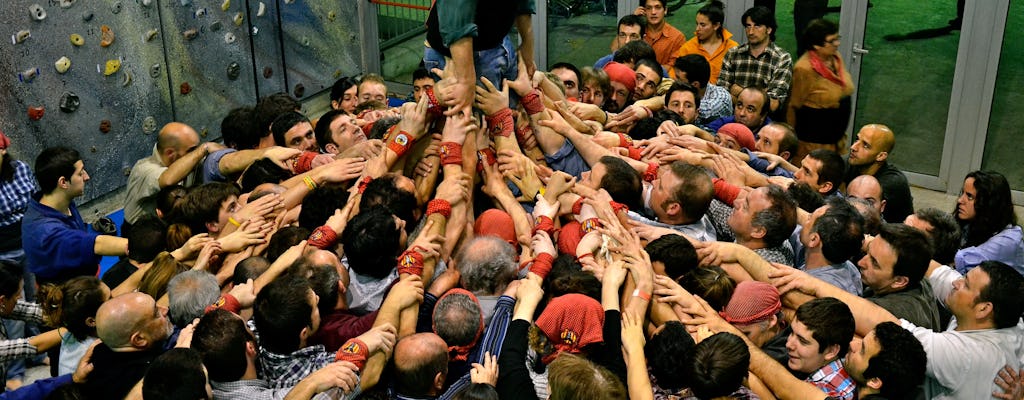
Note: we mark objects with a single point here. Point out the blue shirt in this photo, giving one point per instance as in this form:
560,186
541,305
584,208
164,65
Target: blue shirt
57,246
714,125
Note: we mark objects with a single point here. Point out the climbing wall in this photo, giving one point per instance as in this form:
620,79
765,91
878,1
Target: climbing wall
101,76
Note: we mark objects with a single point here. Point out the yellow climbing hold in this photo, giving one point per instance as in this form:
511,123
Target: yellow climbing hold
225,5
77,39
112,67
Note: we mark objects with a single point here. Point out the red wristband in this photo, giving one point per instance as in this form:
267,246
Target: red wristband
410,262
433,106
227,302
618,207
542,264
624,140
641,294
501,123
353,351
634,152
451,153
577,206
367,128
521,134
545,224
439,206
401,143
590,225
363,183
305,162
652,172
485,155
323,237
532,102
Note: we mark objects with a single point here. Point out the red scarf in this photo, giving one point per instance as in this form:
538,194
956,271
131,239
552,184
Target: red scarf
823,70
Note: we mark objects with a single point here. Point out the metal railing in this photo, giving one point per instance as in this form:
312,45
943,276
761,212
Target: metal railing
398,21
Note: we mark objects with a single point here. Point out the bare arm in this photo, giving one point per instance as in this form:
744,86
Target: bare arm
181,167
110,246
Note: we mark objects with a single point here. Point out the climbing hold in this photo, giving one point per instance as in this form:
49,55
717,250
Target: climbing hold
37,12
234,70
229,38
149,124
305,41
337,73
238,19
261,10
93,149
186,2
331,16
215,26
190,34
299,90
151,34
105,126
116,7
268,72
106,36
154,71
146,3
203,131
77,39
289,1
28,75
225,5
62,65
111,67
185,88
66,3
126,78
69,102
201,12
36,113
21,36
87,16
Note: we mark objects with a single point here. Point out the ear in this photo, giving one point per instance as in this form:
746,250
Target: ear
439,381
62,182
90,321
335,104
983,311
832,352
814,240
696,85
785,155
305,333
342,289
900,282
212,227
159,214
250,349
139,340
825,187
875,384
881,157
758,232
674,209
883,206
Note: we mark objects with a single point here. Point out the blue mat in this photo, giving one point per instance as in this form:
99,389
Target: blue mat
107,261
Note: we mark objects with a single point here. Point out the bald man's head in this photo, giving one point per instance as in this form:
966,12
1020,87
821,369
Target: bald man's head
132,322
874,143
867,188
421,365
175,140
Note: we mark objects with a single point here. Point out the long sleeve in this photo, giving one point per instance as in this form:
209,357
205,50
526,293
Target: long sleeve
513,379
494,337
610,355
37,390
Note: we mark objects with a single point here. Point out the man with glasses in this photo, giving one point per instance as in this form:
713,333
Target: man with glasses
759,62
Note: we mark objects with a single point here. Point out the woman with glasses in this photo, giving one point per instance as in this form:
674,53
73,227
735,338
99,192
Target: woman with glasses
819,104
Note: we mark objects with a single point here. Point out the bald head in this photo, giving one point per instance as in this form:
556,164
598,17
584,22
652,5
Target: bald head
132,322
175,140
886,140
867,188
421,364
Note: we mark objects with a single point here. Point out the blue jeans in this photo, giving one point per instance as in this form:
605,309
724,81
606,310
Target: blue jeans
495,63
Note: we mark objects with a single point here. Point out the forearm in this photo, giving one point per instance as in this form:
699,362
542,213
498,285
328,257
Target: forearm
520,219
637,380
181,167
425,184
462,57
46,340
131,283
110,246
238,161
782,383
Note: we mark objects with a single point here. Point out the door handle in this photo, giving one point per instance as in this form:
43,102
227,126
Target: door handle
858,50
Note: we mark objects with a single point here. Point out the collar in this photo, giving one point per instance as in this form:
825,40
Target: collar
833,368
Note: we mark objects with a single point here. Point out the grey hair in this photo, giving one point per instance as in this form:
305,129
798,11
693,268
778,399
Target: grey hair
457,319
487,265
188,294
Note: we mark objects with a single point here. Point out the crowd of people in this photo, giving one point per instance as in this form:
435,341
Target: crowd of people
678,221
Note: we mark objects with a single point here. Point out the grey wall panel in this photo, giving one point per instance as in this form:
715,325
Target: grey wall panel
266,46
125,98
321,43
202,40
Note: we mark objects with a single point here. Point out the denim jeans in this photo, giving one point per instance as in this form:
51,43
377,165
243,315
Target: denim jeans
496,64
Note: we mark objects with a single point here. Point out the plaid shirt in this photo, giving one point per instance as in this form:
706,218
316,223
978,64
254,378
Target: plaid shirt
16,349
14,195
772,70
286,370
834,381
716,103
255,389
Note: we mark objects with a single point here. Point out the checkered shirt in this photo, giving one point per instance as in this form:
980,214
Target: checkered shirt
286,370
772,70
14,195
834,381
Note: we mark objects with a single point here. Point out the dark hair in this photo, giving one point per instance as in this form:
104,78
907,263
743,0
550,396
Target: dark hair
789,141
71,303
817,30
677,253
944,235
250,268
240,129
696,68
175,374
11,274
622,182
667,353
201,205
832,167
696,191
712,284
322,278
147,238
568,66
830,322
10,165
633,51
900,362
283,123
765,100
841,229
322,130
632,19
421,73
370,105
779,219
1004,288
761,15
993,208
477,391
913,252
567,276
415,379
381,127
281,312
371,241
685,87
284,239
647,128
270,107
805,196
340,86
220,338
715,14
384,192
263,171
872,218
319,205
718,366
168,198
651,63
54,163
